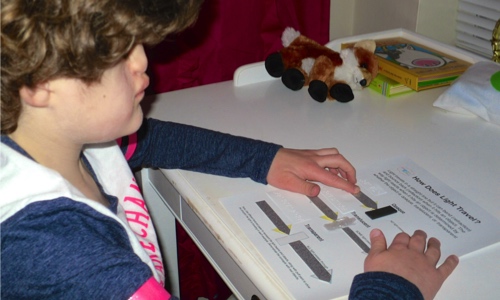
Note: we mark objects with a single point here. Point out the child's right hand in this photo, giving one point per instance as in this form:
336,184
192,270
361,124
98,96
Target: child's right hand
297,170
409,258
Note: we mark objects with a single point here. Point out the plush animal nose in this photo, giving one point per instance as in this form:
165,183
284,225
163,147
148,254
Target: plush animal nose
363,82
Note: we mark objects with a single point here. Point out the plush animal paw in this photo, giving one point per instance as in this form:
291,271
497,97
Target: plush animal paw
318,90
274,65
341,92
293,79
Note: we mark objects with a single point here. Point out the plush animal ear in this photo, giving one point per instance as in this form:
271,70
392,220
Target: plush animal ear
344,53
366,44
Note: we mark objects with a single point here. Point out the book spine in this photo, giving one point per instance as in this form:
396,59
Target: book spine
388,69
378,86
387,89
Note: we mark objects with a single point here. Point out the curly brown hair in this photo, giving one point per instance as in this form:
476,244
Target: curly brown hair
49,39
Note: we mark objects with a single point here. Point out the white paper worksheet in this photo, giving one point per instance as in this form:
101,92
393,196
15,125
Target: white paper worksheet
317,245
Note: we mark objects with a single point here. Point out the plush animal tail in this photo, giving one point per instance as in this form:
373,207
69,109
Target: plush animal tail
289,34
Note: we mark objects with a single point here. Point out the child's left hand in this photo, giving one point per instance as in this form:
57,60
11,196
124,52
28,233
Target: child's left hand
293,170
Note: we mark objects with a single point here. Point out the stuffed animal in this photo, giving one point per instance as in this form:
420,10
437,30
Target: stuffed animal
329,74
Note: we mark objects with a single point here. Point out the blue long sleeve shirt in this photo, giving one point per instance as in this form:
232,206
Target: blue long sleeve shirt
54,246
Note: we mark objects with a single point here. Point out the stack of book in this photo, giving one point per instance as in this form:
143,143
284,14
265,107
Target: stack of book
416,66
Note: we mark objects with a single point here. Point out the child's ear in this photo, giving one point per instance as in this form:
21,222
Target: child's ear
37,96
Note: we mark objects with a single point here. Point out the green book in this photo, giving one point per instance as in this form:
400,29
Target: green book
388,87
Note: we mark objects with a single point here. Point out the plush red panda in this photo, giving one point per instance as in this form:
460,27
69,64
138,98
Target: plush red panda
329,74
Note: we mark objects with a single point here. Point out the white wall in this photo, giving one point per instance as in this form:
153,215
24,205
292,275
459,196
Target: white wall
432,18
341,18
437,19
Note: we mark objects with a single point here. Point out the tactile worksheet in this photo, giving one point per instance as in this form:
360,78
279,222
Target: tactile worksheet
317,245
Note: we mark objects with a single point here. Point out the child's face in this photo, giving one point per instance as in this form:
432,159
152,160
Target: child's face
106,110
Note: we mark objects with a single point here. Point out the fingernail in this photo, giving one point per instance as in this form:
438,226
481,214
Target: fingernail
356,189
375,232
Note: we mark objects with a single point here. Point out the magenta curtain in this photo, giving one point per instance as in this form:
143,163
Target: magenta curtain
229,34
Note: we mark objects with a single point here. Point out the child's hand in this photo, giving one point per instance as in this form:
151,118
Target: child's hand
409,258
293,170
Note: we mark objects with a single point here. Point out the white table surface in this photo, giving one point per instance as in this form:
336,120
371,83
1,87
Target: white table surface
462,151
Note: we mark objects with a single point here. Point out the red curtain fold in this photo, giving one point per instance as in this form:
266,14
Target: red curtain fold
229,34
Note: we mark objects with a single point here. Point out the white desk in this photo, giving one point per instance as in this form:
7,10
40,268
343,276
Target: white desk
463,152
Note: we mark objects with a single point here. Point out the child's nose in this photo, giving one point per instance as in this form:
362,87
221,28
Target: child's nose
137,59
